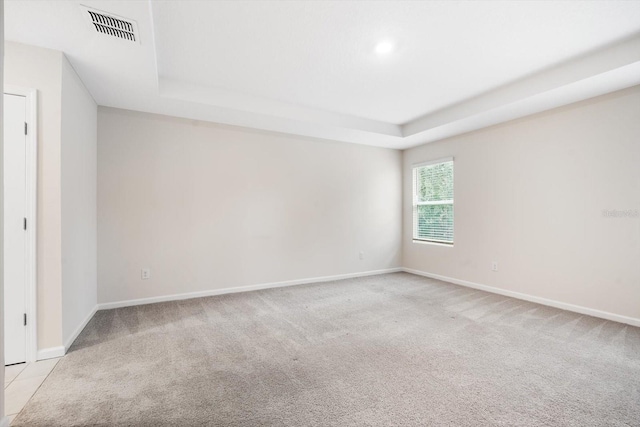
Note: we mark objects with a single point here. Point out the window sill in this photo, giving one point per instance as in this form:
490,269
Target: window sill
425,242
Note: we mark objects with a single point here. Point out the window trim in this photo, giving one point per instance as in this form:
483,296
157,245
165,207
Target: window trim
415,203
432,162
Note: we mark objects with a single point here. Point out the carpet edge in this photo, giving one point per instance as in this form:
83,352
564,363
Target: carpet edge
531,298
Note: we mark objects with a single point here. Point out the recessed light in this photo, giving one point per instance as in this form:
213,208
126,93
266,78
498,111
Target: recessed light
384,48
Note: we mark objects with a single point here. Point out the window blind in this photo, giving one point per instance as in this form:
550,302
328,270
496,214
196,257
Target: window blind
433,202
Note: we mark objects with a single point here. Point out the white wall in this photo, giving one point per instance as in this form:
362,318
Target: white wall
1,214
207,206
530,194
79,204
34,67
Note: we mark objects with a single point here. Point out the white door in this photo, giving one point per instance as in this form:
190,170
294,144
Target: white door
15,198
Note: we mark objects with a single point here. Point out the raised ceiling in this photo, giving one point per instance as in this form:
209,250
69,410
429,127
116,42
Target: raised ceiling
310,68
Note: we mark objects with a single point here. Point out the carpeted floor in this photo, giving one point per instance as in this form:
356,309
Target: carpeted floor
390,350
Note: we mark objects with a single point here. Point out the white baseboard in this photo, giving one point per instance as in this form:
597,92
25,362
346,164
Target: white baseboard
539,300
79,329
53,352
189,295
50,353
4,422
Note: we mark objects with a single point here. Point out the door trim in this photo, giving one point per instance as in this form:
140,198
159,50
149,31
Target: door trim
31,99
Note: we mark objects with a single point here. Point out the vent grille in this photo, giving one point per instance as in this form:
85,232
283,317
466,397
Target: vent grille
110,25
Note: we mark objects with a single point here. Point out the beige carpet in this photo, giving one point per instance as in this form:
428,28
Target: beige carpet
391,350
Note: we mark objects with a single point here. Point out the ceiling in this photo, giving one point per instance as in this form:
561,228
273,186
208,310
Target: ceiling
311,68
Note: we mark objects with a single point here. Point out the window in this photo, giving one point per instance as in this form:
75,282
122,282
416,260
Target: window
433,201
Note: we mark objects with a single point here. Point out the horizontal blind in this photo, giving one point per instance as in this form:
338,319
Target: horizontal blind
433,202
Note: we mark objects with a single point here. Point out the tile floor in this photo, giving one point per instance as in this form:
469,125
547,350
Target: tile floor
21,382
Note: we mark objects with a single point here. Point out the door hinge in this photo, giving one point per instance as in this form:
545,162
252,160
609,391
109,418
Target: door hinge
25,319
25,223
25,128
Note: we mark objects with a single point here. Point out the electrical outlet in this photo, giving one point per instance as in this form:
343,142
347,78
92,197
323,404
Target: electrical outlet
146,273
494,266
361,255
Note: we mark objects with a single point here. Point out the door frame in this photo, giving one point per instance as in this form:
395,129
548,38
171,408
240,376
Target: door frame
31,169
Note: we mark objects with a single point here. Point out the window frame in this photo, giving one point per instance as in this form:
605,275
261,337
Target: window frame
415,203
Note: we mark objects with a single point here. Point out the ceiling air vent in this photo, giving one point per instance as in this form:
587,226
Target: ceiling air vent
111,25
